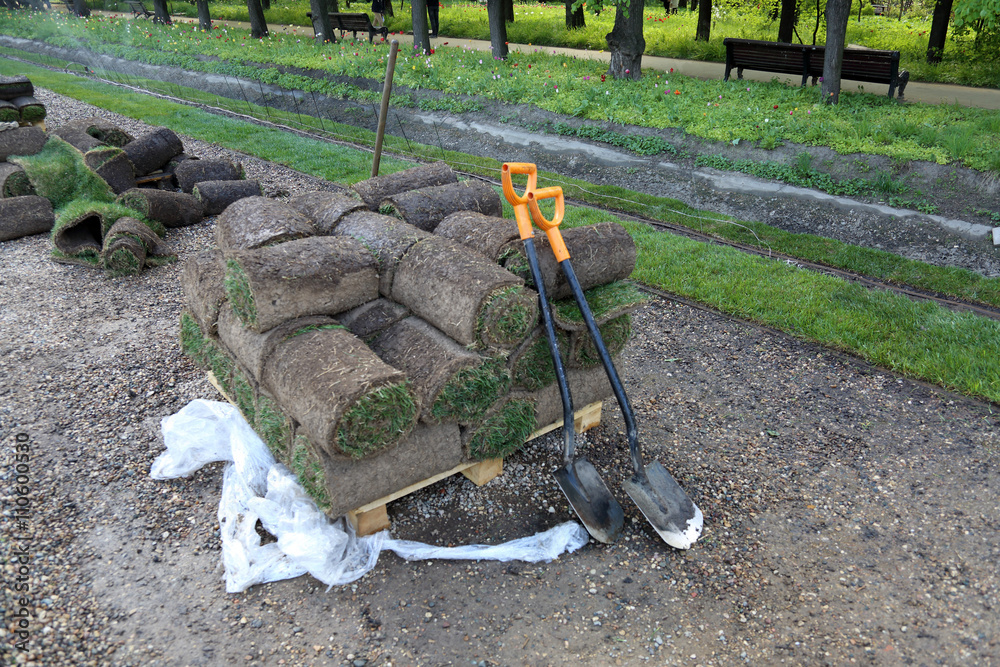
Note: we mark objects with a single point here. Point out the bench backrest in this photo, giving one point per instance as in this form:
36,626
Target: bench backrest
871,65
350,21
767,56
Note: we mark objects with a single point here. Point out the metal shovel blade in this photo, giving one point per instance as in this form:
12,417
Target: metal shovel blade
666,506
589,497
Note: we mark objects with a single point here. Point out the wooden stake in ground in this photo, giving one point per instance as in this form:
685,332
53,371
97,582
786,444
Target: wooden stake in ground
24,216
348,401
173,209
426,207
319,275
13,181
374,190
326,209
154,150
254,222
465,295
21,141
387,238
216,196
191,172
452,382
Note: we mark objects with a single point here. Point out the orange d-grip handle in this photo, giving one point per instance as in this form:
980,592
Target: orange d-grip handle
519,202
551,227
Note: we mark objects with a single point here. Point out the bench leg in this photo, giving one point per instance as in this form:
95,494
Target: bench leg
739,72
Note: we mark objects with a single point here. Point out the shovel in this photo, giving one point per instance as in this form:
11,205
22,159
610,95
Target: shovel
579,480
661,500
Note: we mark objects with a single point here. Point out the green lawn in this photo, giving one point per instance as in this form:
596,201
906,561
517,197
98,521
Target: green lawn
733,111
957,351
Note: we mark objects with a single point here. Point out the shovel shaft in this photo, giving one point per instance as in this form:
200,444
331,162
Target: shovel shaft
609,366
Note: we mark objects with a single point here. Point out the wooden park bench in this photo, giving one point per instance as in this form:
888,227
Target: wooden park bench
869,65
139,10
354,23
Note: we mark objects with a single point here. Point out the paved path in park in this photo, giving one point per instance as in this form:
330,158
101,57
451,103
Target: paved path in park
916,91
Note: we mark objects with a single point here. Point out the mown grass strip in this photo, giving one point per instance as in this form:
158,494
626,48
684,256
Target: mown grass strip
955,350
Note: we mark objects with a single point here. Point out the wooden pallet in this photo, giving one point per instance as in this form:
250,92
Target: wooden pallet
374,516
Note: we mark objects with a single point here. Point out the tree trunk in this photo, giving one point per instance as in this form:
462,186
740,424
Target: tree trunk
322,31
626,43
837,14
498,28
939,31
508,11
787,24
258,26
160,12
80,8
421,38
574,19
204,17
705,21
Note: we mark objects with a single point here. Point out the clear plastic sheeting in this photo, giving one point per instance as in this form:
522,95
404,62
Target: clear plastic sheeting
254,487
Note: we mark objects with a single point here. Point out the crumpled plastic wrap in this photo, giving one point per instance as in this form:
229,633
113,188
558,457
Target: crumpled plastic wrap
255,486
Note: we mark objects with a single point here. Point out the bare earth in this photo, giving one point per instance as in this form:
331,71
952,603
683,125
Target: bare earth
851,515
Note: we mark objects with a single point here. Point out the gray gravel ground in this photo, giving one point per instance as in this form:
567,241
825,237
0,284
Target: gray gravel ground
851,516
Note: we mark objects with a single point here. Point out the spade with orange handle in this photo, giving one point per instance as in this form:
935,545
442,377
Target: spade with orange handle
579,480
660,498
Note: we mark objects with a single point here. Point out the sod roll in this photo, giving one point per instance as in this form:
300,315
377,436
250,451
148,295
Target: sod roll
254,222
372,318
105,130
13,181
21,141
530,365
252,349
9,112
191,172
24,216
128,243
348,401
451,382
325,209
319,275
615,334
202,279
77,137
80,227
192,339
274,427
600,254
29,109
154,150
377,188
502,431
464,295
216,196
428,450
387,238
173,209
113,166
586,385
488,235
606,302
58,173
15,86
426,207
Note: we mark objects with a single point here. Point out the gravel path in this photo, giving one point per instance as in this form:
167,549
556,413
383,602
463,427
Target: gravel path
850,515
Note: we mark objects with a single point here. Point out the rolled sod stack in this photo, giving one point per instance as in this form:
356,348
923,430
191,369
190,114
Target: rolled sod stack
370,354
